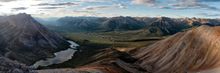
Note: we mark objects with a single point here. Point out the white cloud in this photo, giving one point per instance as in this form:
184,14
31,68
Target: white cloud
95,0
19,8
9,7
96,7
144,2
101,7
122,6
58,4
6,0
192,4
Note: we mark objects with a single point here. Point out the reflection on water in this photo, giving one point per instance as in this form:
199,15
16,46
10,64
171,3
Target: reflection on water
60,56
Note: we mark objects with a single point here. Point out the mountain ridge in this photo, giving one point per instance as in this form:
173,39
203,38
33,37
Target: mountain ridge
149,25
189,51
25,40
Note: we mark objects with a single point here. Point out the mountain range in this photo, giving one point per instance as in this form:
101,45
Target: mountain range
149,25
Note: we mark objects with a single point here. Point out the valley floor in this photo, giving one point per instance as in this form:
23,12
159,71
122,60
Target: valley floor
99,46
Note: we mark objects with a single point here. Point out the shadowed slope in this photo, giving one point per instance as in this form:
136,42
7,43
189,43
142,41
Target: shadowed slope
166,26
194,50
25,40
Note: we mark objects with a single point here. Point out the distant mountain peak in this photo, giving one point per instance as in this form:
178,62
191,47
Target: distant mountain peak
165,26
163,18
21,16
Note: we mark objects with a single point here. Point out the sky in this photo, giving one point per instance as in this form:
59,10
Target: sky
112,8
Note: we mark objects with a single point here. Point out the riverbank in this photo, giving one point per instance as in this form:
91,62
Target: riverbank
83,56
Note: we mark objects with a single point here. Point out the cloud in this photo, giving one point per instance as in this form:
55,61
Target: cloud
81,11
144,2
187,4
164,7
122,6
96,7
64,12
209,15
209,0
179,4
95,0
193,4
6,0
57,4
19,8
50,7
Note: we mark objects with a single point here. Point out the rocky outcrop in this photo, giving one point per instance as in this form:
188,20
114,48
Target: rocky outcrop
8,66
25,40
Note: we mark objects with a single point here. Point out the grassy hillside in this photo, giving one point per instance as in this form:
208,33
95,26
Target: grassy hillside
114,39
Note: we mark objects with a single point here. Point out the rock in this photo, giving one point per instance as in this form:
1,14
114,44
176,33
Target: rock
8,66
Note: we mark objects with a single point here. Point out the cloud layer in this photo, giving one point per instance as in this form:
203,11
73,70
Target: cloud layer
6,0
144,2
107,7
209,15
19,8
189,4
57,4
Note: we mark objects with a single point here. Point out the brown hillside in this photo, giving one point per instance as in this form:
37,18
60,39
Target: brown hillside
191,51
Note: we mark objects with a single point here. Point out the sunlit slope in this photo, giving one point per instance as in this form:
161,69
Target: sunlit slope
194,50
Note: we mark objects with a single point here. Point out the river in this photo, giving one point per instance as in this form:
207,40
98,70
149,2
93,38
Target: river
60,56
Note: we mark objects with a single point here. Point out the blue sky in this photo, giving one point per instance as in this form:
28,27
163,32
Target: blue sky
112,8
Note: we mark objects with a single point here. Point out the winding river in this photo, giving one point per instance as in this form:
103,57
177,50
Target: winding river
60,56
